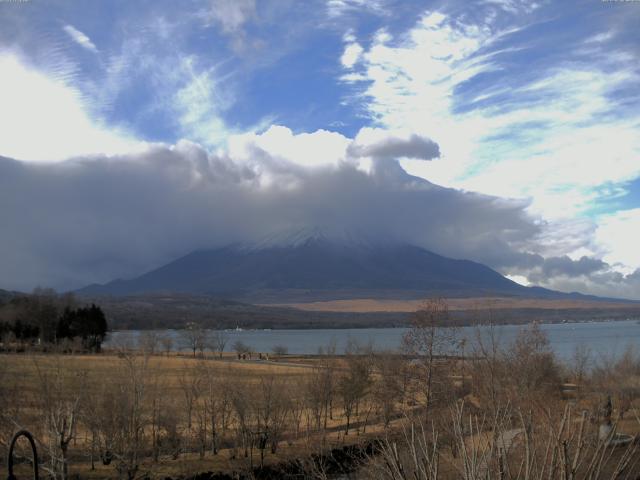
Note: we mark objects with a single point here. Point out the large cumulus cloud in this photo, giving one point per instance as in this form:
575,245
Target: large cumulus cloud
92,219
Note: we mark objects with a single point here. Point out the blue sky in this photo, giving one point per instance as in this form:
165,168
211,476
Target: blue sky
533,104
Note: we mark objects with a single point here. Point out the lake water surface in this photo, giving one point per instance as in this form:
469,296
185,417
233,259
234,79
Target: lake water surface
603,339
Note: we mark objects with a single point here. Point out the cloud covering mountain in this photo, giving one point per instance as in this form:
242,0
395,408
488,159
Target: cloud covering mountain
504,132
93,219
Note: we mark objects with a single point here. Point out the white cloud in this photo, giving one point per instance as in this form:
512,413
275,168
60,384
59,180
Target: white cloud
351,55
190,93
43,119
336,8
618,234
321,148
552,135
601,37
409,85
521,279
199,103
232,15
514,6
349,36
80,38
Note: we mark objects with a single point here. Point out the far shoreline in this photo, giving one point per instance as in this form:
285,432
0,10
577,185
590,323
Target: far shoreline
394,327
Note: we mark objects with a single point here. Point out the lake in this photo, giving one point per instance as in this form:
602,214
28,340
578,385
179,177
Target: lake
604,339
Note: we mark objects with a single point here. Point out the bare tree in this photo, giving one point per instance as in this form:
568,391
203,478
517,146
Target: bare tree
148,341
387,389
532,371
580,363
565,446
217,404
161,414
354,383
242,348
487,368
313,390
618,377
166,340
298,406
205,342
431,334
279,350
89,417
169,422
60,395
194,337
219,340
191,389
319,389
124,415
201,408
241,404
270,408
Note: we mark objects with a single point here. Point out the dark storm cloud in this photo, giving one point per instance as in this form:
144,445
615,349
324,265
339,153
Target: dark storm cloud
605,282
564,265
390,147
94,219
540,269
586,274
635,276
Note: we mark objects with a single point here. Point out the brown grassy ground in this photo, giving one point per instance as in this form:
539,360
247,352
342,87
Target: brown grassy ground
370,305
24,372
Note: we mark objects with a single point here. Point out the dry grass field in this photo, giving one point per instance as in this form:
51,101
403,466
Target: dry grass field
25,370
127,414
370,305
283,397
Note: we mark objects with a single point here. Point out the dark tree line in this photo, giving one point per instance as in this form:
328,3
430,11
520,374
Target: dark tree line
47,318
88,324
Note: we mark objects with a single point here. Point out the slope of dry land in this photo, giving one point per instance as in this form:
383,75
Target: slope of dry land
371,305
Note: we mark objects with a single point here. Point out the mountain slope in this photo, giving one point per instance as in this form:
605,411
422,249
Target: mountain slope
6,295
317,267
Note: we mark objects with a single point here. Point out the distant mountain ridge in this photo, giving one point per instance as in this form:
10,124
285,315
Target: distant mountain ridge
6,295
315,267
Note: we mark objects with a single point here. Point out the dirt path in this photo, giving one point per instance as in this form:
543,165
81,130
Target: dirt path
270,362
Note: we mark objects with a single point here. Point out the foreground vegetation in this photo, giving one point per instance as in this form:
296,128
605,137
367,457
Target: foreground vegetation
485,411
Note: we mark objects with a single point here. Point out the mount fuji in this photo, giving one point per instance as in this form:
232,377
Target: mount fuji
313,266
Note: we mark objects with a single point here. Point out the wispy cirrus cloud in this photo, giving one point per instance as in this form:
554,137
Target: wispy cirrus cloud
449,76
231,16
336,8
512,115
80,38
